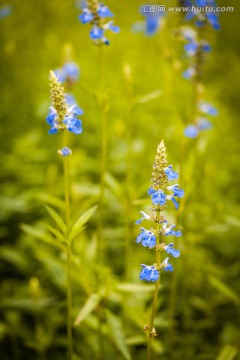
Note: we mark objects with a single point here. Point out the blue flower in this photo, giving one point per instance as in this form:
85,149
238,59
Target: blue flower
204,124
149,273
109,26
96,33
189,73
104,12
5,10
191,131
73,124
96,15
71,71
207,108
176,192
51,119
166,266
191,48
65,151
170,250
152,23
158,196
171,174
86,16
147,238
170,231
145,217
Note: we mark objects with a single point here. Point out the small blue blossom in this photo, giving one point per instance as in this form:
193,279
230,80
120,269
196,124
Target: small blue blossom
86,16
191,48
147,238
152,23
110,26
208,109
145,217
170,231
189,73
170,250
149,273
104,12
176,192
65,151
204,124
51,119
166,266
158,196
171,174
191,131
5,10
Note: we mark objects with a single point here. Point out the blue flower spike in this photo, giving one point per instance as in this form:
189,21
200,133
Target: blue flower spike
97,14
62,116
153,239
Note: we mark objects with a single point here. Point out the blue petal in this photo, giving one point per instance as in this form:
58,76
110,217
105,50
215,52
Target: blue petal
175,203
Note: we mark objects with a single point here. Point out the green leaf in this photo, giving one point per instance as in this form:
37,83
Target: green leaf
40,234
58,220
228,352
54,231
91,303
116,329
114,185
224,289
81,221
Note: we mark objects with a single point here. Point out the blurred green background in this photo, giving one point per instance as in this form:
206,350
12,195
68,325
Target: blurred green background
198,311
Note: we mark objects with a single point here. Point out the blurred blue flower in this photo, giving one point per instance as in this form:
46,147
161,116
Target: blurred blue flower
149,273
204,17
95,13
65,151
176,193
171,174
158,196
170,250
170,231
207,108
204,124
147,238
189,73
166,266
145,217
191,131
73,124
5,10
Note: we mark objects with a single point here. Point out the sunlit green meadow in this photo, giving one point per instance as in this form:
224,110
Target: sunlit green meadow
146,100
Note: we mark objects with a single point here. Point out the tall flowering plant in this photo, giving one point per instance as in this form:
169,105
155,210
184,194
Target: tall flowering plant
155,238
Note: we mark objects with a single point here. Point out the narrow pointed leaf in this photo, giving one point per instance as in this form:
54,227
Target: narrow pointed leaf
117,334
91,304
81,221
58,220
228,352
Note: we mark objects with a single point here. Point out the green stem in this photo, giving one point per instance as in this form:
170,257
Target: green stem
103,159
67,214
151,331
